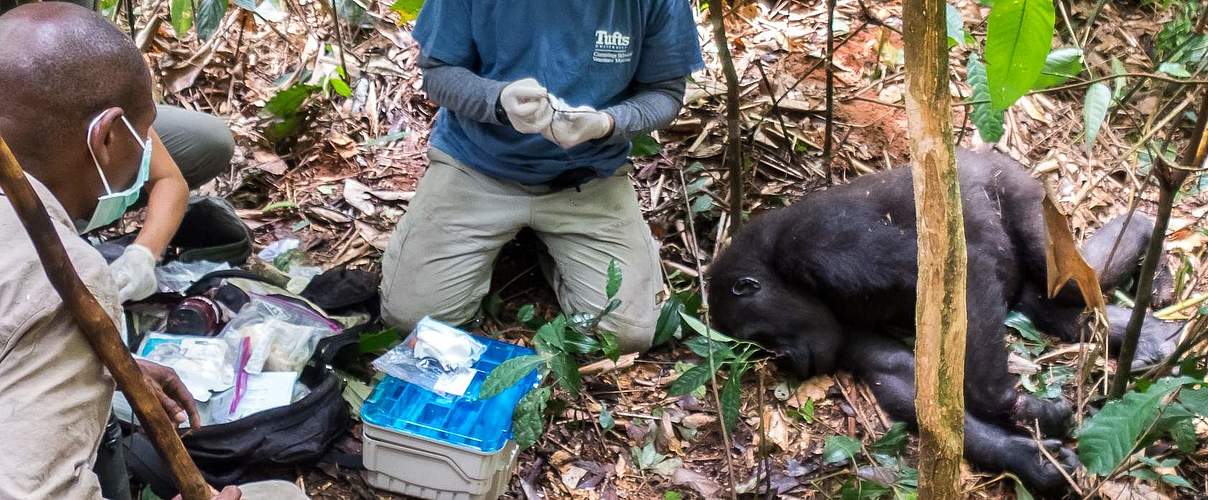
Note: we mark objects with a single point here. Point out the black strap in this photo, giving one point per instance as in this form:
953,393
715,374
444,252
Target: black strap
201,285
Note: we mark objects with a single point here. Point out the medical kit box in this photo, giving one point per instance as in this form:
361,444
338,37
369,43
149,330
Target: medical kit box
427,445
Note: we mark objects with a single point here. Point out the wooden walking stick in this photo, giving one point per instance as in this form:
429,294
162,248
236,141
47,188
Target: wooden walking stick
98,328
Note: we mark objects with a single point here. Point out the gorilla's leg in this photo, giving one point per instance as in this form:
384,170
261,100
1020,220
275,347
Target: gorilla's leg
990,390
887,366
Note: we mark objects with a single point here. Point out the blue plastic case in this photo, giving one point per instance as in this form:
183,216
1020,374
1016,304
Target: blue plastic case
481,425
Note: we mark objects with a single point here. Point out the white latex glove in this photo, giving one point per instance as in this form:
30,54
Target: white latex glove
574,126
134,273
527,105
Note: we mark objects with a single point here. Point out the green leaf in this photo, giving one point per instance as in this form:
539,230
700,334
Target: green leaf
669,320
956,26
1182,432
731,398
839,449
377,341
1176,480
644,145
209,16
1060,65
567,371
407,10
1178,70
989,121
1019,34
700,347
609,346
1094,111
528,421
893,442
1021,492
181,14
672,495
606,420
1022,324
863,490
1195,400
1118,84
578,343
700,328
690,380
526,313
613,284
553,334
1109,437
508,373
338,85
289,101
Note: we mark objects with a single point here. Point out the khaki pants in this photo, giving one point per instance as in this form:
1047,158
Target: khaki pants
440,257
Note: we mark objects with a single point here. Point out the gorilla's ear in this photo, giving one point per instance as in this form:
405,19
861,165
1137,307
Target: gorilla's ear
745,285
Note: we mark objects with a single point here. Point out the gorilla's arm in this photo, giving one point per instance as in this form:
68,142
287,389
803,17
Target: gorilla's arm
887,366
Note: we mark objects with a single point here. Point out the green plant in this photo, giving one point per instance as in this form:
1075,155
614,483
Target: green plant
557,343
287,111
886,474
727,352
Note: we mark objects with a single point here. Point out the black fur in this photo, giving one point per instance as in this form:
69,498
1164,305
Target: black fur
829,283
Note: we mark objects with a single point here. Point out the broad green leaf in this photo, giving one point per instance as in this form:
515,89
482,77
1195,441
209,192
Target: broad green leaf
839,449
578,343
1178,70
1060,65
672,495
859,489
553,334
1118,84
688,381
377,341
644,145
1019,34
606,420
181,14
731,399
1109,437
1022,324
989,121
700,347
893,442
507,374
526,314
1094,111
1021,492
567,372
1195,400
340,87
669,321
528,421
956,26
209,16
1176,480
407,10
609,346
700,328
613,284
289,101
1182,432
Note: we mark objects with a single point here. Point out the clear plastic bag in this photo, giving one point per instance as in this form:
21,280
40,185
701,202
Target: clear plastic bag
205,365
177,276
282,334
434,356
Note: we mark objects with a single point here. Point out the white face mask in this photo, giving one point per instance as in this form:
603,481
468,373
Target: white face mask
112,206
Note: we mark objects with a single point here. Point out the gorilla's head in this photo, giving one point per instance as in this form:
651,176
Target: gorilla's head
752,298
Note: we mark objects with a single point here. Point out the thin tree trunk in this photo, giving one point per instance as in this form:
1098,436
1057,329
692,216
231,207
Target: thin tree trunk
1170,180
733,156
940,315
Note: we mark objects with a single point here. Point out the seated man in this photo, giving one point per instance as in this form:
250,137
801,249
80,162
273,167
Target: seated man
76,111
519,143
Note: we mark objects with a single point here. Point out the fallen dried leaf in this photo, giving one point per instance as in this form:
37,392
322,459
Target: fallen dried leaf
357,195
707,488
269,162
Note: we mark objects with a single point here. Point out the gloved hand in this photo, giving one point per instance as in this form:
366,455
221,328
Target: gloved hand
526,103
571,127
134,273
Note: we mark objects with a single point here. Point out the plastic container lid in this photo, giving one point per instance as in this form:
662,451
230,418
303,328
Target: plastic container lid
482,425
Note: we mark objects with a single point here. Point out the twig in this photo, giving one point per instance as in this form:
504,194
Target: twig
704,292
733,155
335,23
829,139
1053,460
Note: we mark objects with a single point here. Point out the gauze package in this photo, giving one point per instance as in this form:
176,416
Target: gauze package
282,334
434,356
205,365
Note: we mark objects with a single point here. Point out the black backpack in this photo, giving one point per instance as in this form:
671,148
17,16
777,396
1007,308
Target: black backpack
266,445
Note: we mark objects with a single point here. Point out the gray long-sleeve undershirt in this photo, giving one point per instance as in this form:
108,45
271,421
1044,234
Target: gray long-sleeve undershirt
652,106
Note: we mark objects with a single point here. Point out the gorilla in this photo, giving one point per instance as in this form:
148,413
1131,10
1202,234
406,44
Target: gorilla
829,283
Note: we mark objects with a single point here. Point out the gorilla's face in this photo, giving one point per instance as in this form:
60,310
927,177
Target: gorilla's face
749,300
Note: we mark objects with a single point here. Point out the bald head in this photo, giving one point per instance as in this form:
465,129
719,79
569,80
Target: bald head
62,65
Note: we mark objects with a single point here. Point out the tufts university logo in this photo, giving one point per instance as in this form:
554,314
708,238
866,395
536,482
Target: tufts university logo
612,47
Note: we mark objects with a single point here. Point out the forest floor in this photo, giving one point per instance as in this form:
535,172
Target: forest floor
342,183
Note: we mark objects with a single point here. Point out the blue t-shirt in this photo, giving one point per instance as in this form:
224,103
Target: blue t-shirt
587,52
